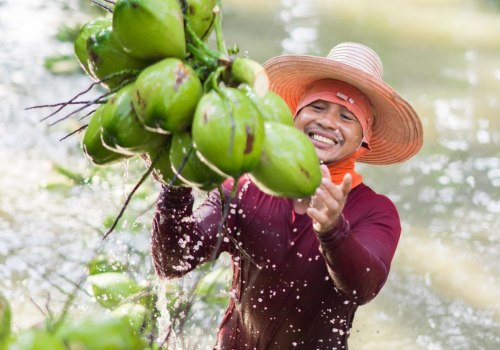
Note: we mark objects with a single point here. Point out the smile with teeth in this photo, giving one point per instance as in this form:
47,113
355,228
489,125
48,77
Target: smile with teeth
337,139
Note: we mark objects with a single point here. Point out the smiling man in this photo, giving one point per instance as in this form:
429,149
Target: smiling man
336,117
302,267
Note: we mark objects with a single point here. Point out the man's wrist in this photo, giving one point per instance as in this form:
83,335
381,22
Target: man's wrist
320,231
336,234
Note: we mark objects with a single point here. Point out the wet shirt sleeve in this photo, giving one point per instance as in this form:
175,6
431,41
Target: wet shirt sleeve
359,250
183,238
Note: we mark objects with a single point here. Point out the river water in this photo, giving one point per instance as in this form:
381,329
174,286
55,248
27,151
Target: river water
442,55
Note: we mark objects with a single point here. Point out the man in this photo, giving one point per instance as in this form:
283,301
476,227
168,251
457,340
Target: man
302,267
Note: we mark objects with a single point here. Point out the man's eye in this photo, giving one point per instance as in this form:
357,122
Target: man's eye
318,107
347,117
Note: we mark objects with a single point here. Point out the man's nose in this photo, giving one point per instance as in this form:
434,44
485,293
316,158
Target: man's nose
329,121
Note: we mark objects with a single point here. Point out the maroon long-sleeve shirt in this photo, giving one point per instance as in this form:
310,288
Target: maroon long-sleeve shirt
290,288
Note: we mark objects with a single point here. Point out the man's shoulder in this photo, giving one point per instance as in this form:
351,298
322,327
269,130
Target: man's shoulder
365,196
365,191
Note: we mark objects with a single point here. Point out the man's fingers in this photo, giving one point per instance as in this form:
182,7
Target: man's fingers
346,184
328,200
317,216
324,171
324,199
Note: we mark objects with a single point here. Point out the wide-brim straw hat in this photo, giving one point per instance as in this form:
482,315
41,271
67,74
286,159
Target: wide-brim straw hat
397,132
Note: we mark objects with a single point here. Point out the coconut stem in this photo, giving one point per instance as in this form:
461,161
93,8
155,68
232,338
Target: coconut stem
197,42
215,78
221,45
201,55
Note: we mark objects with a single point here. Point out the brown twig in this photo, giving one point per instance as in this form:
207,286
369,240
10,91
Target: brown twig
109,9
45,275
98,100
127,200
86,115
74,132
81,108
69,300
141,181
38,307
63,104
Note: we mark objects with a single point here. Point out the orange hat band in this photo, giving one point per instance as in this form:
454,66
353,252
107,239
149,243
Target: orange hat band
336,91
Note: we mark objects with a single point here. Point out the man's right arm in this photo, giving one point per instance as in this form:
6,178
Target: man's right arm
182,239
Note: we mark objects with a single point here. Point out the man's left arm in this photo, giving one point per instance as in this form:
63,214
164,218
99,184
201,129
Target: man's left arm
358,258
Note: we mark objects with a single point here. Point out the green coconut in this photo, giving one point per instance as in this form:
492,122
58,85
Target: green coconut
166,95
228,131
271,106
289,166
275,109
150,29
106,56
201,17
122,132
80,44
92,143
188,166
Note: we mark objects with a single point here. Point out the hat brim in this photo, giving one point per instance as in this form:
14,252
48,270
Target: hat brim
396,129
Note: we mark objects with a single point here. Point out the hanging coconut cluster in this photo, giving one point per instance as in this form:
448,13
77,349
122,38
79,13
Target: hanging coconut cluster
199,114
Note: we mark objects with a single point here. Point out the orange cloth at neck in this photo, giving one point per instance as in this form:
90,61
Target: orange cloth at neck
346,166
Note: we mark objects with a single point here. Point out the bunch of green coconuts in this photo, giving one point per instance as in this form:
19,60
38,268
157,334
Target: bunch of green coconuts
200,115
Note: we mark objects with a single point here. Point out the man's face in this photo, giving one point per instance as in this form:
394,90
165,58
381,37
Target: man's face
334,131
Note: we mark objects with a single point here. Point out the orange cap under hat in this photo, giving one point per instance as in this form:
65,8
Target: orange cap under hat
336,91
